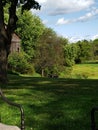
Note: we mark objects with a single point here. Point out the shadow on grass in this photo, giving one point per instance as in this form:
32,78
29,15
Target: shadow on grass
54,104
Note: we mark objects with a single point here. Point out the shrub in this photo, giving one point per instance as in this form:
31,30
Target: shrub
66,73
18,62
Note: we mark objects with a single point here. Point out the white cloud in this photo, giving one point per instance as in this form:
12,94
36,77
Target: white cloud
84,18
75,39
45,21
59,7
41,1
88,15
62,21
95,37
63,6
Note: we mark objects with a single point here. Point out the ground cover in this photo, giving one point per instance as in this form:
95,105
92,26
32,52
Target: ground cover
51,104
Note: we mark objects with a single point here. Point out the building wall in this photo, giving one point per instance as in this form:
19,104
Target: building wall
15,44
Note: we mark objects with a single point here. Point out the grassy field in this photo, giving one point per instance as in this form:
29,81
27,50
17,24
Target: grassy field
85,71
50,104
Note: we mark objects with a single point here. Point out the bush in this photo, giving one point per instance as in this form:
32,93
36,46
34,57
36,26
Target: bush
54,71
18,62
66,73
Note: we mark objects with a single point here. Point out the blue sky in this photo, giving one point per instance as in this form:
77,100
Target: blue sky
72,19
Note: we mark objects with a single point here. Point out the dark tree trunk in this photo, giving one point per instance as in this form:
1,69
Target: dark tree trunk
4,51
3,66
5,37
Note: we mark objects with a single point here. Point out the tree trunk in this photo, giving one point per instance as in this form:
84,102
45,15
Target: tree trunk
3,47
5,42
5,37
42,74
3,64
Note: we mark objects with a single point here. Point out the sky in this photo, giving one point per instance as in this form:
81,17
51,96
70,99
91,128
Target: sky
73,19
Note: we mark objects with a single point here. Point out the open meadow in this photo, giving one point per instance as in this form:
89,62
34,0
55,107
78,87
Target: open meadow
85,71
50,103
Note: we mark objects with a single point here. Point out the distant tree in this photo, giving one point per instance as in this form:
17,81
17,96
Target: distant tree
70,53
44,55
95,48
84,51
6,31
49,55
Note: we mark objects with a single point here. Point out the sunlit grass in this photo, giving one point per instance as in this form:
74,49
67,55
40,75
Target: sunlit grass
49,103
89,71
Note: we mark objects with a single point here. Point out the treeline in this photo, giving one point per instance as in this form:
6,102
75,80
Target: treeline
46,53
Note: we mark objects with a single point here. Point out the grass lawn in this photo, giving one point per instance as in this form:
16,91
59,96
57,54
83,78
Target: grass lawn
51,104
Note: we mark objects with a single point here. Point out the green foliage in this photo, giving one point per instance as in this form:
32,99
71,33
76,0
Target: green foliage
84,51
49,54
66,73
70,53
18,62
29,28
95,49
6,16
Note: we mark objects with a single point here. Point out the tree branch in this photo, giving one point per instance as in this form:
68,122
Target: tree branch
30,4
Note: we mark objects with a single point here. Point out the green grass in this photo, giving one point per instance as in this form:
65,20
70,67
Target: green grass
51,104
89,71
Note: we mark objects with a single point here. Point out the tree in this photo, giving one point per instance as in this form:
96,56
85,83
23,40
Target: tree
84,51
29,28
49,57
6,31
43,53
70,53
95,48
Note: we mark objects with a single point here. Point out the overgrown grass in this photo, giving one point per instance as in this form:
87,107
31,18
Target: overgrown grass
50,104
